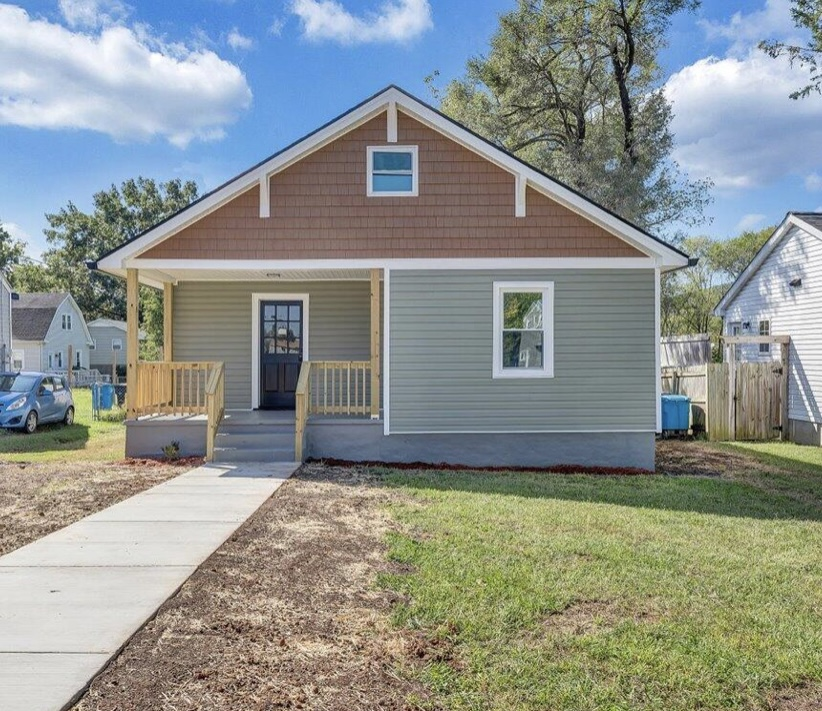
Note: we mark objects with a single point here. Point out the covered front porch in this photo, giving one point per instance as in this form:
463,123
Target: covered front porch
227,349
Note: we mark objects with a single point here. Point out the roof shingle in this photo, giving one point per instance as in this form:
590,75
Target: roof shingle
32,314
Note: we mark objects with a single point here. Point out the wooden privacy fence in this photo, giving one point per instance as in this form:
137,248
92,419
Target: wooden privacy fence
733,400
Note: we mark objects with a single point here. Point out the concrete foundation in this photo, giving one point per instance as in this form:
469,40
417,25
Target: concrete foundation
803,432
363,440
146,438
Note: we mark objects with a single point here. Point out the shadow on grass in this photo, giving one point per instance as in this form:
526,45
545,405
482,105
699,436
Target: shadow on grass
47,438
753,498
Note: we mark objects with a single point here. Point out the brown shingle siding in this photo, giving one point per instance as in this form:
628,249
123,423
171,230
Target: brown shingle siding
319,210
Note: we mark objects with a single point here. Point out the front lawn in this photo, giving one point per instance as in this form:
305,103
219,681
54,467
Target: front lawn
85,440
580,592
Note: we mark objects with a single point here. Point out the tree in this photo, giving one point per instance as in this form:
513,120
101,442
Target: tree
730,257
12,250
807,15
75,237
573,87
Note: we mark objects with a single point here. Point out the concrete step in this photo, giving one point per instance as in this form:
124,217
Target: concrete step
244,428
231,455
263,439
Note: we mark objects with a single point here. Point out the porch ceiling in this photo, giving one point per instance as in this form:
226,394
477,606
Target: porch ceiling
153,276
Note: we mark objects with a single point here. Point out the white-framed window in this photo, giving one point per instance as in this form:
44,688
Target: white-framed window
393,171
56,360
116,344
735,329
523,329
765,330
67,322
17,360
78,358
93,345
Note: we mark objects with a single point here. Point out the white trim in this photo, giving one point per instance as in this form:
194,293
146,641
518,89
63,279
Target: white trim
118,341
391,123
512,432
520,184
415,171
658,347
386,358
412,107
759,258
427,264
546,288
255,336
265,197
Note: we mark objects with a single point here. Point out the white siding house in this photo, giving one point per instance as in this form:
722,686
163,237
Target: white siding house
780,293
43,328
108,343
6,346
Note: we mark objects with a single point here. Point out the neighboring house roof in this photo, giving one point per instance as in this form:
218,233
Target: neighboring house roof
393,98
810,222
32,315
112,323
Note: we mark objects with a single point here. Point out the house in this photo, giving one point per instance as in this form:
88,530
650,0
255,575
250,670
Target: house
108,345
780,293
6,346
44,326
401,290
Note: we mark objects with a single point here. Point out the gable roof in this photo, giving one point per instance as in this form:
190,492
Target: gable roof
32,314
108,323
810,222
393,98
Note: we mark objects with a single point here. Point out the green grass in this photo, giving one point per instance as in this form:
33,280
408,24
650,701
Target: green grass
580,592
85,440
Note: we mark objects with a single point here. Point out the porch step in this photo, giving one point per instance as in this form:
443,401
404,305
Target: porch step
231,455
259,438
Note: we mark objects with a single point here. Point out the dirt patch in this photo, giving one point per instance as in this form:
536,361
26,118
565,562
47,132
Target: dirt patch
592,616
805,697
286,614
36,499
677,458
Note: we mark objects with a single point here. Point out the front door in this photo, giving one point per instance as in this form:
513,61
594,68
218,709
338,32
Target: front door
281,352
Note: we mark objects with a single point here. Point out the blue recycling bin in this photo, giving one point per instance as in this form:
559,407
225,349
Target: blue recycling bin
102,395
676,413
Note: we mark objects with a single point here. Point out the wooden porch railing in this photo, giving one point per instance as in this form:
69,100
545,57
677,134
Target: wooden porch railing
215,406
330,387
171,388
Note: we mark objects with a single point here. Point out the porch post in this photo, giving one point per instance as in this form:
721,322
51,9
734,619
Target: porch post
132,340
168,314
375,344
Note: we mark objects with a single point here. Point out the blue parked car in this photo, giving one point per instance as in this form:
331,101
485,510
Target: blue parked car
30,399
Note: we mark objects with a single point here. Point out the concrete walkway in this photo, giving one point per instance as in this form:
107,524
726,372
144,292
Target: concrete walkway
71,600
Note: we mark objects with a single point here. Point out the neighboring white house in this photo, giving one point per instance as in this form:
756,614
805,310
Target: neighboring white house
108,344
780,293
6,347
43,328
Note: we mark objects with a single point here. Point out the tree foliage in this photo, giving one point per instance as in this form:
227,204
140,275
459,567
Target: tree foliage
12,251
573,87
807,15
689,296
75,237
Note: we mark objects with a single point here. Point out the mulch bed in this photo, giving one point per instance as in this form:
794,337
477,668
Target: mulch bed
285,615
36,499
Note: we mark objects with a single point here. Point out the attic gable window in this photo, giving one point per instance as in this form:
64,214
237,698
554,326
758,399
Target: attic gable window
393,171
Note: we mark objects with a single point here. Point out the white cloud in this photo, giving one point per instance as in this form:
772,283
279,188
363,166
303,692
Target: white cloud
121,81
238,41
16,231
394,21
750,222
93,13
813,183
277,26
733,119
746,30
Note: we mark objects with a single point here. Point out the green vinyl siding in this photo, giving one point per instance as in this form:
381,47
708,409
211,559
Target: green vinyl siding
212,321
441,340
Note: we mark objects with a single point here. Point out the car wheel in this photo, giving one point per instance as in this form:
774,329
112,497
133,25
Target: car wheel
69,418
30,424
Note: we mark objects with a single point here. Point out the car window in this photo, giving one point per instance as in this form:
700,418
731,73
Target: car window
58,384
17,383
47,385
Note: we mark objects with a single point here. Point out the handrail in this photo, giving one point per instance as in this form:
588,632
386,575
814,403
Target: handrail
170,388
302,407
215,406
341,387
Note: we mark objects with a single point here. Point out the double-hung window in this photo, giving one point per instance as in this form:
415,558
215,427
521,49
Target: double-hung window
67,322
392,171
523,330
765,330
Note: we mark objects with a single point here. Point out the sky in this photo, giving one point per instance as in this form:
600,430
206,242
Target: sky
93,92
